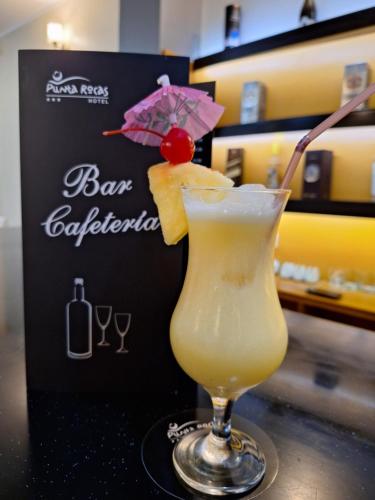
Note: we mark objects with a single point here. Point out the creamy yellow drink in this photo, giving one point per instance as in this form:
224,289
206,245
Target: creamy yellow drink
228,331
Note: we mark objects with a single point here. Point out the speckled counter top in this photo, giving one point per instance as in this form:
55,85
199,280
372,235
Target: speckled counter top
318,410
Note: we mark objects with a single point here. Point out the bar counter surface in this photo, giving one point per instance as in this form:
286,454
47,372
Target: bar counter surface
318,409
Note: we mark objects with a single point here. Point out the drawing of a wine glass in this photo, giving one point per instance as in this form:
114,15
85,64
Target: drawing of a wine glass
103,316
122,323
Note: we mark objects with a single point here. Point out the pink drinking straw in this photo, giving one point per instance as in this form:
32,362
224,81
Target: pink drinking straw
319,129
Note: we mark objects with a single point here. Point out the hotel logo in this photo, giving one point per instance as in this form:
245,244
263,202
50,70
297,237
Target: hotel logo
59,88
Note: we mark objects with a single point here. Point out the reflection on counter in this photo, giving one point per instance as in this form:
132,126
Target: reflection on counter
329,372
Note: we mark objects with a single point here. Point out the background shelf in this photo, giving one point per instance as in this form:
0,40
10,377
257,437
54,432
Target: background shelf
351,208
229,93
355,119
342,24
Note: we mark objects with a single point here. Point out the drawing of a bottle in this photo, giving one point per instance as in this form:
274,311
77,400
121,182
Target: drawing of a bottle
78,317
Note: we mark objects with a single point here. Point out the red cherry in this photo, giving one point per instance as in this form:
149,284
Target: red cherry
177,146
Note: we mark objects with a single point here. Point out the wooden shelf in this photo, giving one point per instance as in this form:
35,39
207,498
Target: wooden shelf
355,119
356,20
329,207
351,306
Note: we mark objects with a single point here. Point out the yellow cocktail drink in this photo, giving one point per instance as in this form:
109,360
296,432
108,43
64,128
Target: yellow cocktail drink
228,331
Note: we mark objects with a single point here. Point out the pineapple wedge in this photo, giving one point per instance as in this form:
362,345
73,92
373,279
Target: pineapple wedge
165,182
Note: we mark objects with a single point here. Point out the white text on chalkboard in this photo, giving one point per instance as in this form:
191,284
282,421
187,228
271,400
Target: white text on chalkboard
84,180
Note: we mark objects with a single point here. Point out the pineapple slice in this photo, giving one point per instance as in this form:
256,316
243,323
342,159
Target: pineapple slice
165,182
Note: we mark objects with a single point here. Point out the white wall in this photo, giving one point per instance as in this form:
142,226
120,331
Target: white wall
262,18
94,25
180,26
140,26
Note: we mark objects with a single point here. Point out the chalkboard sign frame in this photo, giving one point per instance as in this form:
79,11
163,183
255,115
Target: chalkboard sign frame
92,249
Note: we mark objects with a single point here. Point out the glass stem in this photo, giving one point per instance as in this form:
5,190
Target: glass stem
221,422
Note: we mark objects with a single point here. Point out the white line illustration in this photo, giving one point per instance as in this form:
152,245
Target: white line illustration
122,324
58,78
103,316
78,324
76,96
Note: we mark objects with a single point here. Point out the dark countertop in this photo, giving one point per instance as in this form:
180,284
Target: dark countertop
318,409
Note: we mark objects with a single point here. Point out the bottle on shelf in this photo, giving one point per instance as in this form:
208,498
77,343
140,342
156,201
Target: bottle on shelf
78,317
273,179
373,181
232,26
308,13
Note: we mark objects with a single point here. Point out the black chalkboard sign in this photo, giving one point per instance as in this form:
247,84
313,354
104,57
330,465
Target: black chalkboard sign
203,146
99,283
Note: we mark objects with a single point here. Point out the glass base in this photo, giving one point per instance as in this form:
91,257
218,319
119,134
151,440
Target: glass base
239,466
103,343
160,440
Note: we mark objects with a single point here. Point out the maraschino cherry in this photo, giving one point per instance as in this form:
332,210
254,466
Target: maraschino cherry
176,147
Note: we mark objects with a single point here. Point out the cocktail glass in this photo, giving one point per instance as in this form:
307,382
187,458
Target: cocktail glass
122,324
228,331
103,317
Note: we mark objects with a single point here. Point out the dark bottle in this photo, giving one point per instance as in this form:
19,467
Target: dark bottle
308,13
232,26
78,317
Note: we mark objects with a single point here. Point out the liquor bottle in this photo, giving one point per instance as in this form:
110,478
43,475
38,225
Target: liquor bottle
234,165
373,181
78,316
356,80
273,180
317,174
232,26
253,102
308,13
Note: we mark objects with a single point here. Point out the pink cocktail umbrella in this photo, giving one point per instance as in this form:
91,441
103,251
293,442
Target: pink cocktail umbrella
170,106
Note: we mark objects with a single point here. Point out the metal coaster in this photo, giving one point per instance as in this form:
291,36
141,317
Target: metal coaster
157,447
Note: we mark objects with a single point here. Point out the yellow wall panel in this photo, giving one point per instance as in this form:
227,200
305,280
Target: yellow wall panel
303,79
330,242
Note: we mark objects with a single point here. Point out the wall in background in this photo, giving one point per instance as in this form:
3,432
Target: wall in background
139,26
315,239
93,25
180,26
262,18
196,28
